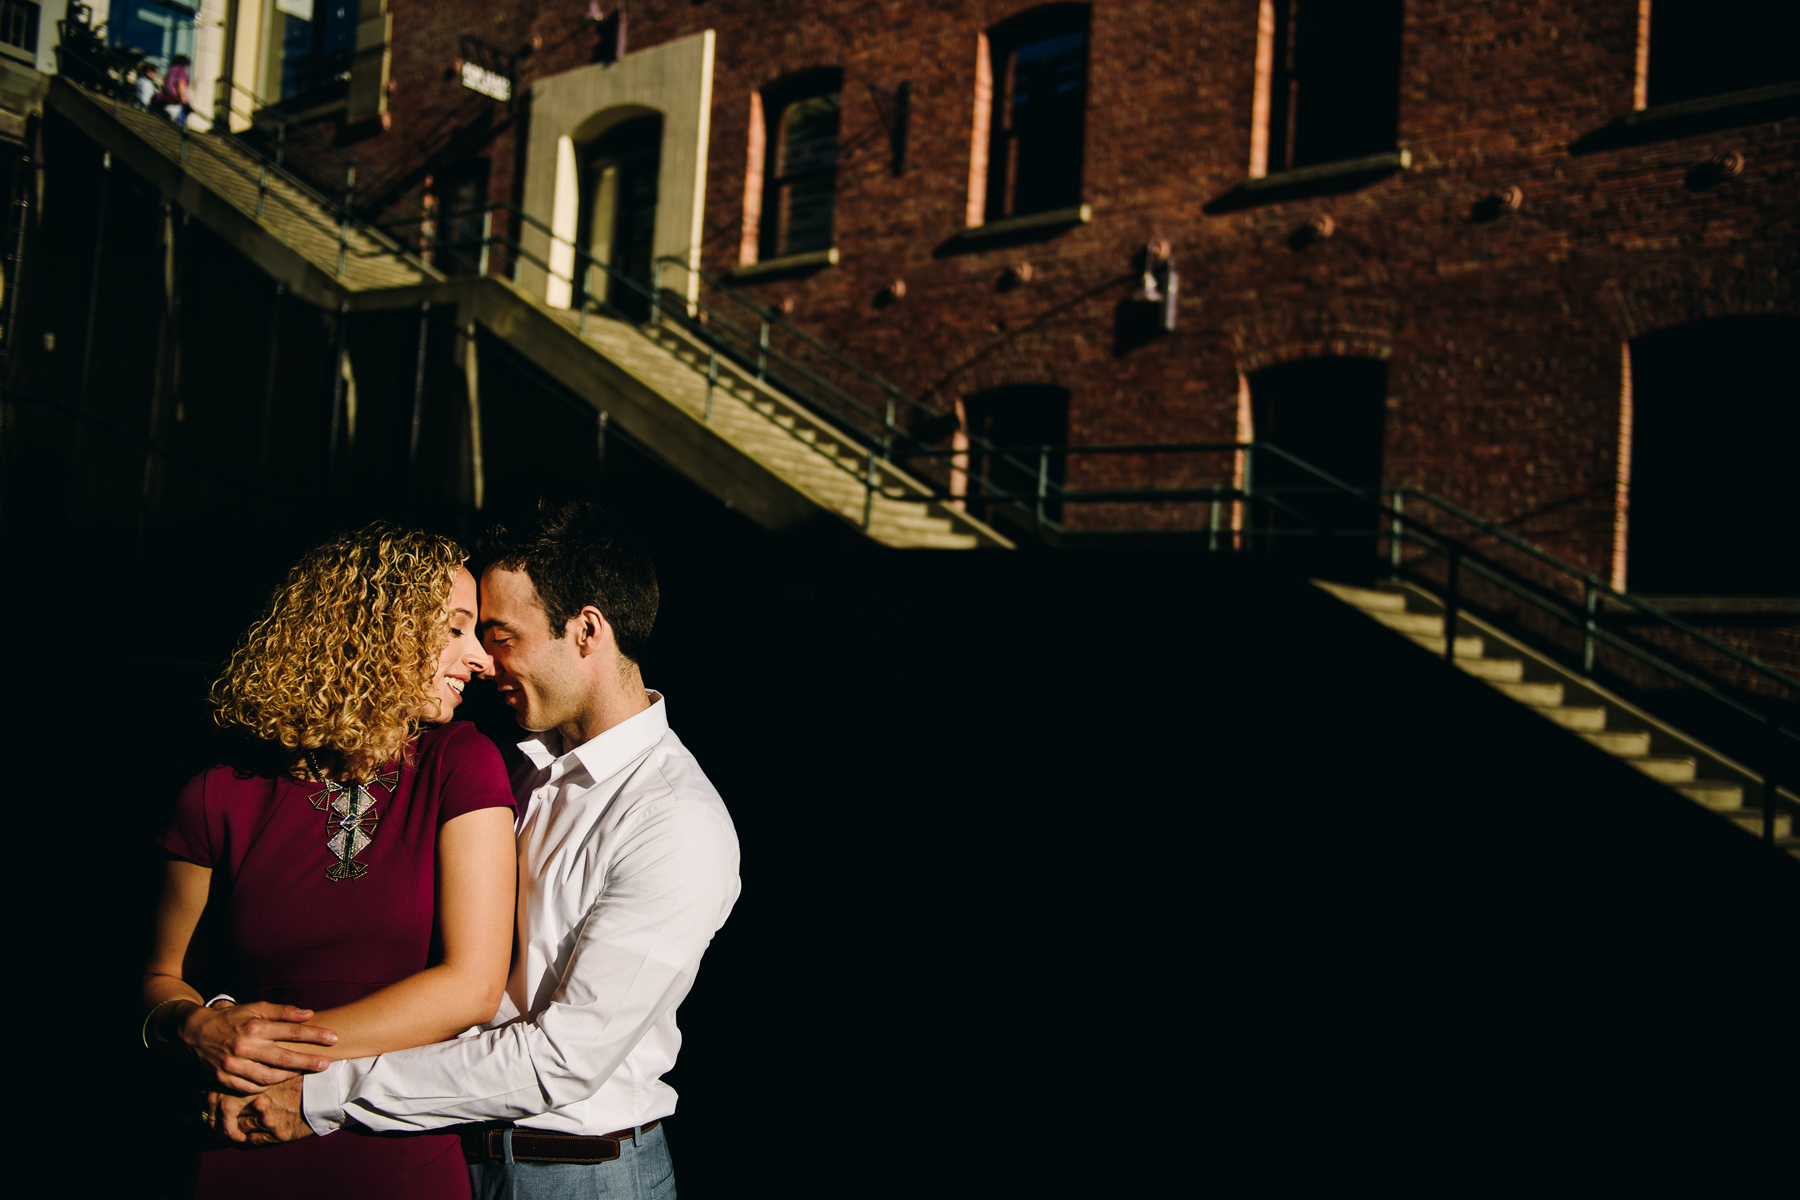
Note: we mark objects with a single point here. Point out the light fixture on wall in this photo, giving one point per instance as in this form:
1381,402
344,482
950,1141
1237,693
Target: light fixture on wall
1160,283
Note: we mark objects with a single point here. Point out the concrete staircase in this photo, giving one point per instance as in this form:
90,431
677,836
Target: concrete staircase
752,446
1576,703
809,452
281,208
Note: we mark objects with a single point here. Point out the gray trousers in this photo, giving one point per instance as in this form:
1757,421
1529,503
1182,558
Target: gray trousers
641,1172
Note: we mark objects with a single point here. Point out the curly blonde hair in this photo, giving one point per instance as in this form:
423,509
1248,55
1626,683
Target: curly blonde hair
344,661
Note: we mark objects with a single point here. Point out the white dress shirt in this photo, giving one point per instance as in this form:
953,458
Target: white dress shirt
628,864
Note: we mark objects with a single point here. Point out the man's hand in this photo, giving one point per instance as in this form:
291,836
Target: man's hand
273,1115
239,1043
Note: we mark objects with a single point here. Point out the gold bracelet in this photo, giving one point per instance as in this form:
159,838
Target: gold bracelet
149,1016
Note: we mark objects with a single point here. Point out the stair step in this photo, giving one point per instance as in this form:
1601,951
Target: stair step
1417,624
1502,670
1670,768
1752,819
1624,742
1714,794
1539,695
1367,599
1573,717
1467,646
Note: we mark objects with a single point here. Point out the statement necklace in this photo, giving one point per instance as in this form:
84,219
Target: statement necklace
350,818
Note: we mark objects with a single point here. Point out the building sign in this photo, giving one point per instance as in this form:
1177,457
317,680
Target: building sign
478,78
486,69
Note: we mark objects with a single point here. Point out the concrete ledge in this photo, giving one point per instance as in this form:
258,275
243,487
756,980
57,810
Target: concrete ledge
1079,214
1749,98
811,261
1388,160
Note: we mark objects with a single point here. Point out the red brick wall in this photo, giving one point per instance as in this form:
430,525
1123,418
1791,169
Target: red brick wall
1503,336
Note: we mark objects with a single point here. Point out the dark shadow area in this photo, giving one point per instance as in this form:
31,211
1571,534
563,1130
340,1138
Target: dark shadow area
1716,421
1331,413
1171,841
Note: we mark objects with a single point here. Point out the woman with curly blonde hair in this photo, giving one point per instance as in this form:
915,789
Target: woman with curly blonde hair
359,881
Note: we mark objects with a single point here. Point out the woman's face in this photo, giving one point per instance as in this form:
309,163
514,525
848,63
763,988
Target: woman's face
463,658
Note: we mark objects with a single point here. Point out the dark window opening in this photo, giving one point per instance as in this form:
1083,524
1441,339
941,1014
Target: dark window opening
19,24
1707,49
462,198
800,178
1040,62
1329,413
1716,421
618,215
1017,421
310,46
1335,90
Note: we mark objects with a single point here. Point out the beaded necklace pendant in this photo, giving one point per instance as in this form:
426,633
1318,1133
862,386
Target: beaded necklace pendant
350,821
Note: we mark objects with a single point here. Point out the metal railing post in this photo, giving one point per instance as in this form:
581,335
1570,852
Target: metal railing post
184,136
1450,605
1043,487
343,240
887,431
762,350
487,237
1771,796
280,142
656,302
1590,600
869,491
712,378
1249,495
581,297
1212,528
262,190
1394,532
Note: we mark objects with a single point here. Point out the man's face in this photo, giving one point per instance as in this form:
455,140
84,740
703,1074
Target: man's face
537,675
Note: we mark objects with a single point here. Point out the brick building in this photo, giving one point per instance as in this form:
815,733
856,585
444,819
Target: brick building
1420,243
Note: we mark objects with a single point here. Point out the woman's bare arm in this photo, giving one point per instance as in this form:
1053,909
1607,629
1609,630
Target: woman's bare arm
477,883
252,1046
249,1046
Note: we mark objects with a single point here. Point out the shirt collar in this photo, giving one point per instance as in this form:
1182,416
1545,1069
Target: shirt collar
607,752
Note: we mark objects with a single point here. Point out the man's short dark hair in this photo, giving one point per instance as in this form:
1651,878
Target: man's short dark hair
577,554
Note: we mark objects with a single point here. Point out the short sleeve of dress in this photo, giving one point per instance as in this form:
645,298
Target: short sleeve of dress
474,775
187,836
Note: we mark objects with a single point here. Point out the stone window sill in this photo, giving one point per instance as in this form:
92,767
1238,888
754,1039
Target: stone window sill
1079,214
809,261
1751,98
1369,164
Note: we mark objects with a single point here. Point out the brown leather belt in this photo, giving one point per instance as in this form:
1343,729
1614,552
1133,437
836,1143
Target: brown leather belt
537,1145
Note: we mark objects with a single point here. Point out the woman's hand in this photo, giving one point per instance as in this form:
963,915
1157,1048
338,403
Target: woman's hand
239,1043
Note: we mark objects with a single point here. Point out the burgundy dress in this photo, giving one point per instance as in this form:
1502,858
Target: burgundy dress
328,895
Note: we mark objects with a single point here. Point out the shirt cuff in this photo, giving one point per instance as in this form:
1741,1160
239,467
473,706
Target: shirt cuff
322,1098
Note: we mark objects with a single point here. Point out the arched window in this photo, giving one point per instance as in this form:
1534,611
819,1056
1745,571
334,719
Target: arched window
1329,78
1709,47
619,172
1330,413
800,175
1038,62
1017,421
1715,424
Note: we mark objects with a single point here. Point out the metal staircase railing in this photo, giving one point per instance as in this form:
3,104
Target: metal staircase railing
718,331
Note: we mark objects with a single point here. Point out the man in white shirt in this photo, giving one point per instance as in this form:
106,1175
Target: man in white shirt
628,864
